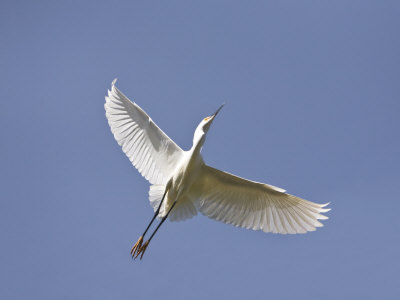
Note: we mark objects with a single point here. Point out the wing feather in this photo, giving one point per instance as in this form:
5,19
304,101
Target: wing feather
149,149
253,205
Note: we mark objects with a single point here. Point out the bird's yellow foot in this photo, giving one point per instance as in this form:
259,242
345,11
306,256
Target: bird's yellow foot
142,250
136,247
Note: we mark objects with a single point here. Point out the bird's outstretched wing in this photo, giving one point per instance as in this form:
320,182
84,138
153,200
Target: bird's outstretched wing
149,149
240,202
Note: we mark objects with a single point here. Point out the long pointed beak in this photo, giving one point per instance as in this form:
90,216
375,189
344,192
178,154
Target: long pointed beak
216,113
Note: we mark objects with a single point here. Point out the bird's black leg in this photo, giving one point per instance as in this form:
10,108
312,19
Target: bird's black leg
144,247
138,244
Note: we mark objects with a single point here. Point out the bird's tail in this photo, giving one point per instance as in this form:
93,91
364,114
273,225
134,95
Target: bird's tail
184,208
155,195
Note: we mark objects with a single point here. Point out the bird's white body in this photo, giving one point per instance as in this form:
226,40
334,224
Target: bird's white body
192,186
186,173
182,181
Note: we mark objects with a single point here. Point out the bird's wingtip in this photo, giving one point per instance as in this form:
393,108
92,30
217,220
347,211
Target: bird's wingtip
114,81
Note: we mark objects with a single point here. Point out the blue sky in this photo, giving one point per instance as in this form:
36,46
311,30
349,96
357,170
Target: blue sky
312,105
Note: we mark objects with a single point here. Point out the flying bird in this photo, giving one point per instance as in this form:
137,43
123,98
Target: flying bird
182,184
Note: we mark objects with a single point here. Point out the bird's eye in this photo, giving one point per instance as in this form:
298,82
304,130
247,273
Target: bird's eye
206,119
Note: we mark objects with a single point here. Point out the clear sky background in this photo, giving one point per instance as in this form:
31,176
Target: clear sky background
312,105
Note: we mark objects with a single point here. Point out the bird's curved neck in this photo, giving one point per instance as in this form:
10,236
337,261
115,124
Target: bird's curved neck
198,140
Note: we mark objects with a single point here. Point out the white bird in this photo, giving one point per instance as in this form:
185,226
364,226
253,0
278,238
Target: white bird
182,184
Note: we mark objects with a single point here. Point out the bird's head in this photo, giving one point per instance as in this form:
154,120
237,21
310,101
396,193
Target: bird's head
205,124
202,129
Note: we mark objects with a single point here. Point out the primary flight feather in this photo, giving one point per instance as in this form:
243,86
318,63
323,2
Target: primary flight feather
182,184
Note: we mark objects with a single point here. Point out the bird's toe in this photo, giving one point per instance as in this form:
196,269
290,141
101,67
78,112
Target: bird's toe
137,246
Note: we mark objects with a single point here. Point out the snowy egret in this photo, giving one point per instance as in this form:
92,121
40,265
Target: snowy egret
182,184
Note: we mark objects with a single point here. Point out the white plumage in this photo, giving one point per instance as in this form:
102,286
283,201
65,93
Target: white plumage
240,202
194,186
149,149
